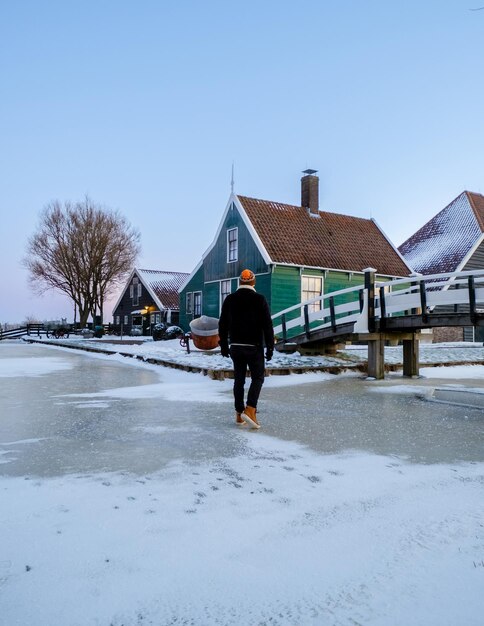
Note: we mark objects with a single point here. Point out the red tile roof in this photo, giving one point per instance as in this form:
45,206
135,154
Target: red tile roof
476,200
331,240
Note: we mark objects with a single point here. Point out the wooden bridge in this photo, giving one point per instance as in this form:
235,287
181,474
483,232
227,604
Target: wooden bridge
383,311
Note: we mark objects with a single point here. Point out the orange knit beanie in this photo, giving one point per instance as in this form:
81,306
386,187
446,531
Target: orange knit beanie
247,277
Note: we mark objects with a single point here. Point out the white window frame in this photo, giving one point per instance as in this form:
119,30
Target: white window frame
189,303
309,294
223,292
135,293
126,320
197,303
232,245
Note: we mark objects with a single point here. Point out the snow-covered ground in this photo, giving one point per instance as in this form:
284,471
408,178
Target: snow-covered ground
171,351
274,534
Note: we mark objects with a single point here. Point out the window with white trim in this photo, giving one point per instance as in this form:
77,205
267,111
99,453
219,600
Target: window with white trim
126,320
197,303
312,287
225,289
134,291
232,245
189,303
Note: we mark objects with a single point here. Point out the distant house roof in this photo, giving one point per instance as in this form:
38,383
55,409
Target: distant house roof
444,243
291,235
164,286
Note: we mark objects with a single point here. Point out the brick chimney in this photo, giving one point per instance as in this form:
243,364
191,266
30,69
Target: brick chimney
310,192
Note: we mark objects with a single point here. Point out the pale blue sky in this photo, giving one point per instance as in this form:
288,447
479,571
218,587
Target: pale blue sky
144,105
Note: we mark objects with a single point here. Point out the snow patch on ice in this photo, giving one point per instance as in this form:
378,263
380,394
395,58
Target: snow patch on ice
409,390
23,441
4,453
91,405
32,366
153,430
453,371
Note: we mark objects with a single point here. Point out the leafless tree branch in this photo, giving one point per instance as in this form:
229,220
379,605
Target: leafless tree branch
82,250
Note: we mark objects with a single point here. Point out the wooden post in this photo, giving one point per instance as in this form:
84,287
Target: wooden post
376,357
307,330
370,288
383,308
332,313
423,303
411,356
472,299
284,328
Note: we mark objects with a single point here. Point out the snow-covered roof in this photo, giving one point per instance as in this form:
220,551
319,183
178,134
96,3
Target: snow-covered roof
163,286
444,243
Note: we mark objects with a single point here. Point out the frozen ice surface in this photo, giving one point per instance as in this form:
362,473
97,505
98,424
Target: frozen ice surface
128,496
98,414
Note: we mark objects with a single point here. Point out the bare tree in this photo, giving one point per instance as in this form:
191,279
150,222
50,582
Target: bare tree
82,250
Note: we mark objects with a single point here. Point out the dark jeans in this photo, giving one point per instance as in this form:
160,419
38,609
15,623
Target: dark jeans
244,357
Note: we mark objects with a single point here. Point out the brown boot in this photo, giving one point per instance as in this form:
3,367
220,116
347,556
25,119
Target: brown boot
249,417
238,419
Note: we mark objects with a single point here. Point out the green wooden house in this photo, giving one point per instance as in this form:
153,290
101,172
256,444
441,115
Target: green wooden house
296,252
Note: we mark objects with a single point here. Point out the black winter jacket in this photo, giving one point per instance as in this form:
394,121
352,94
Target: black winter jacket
245,318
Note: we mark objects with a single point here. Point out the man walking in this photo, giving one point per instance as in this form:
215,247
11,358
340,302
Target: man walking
245,323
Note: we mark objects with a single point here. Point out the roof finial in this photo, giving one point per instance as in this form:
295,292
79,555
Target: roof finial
232,179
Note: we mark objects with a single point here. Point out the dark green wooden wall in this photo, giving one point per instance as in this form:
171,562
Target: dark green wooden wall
286,288
215,263
195,284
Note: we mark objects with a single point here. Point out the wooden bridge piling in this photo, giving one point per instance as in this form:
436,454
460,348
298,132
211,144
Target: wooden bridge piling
376,356
376,352
411,351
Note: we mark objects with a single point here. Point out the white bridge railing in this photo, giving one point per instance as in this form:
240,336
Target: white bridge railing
365,304
428,292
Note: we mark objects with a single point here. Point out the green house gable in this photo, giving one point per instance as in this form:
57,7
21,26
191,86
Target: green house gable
232,250
218,264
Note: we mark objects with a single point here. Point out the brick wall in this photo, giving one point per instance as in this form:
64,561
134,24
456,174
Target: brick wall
452,333
310,193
